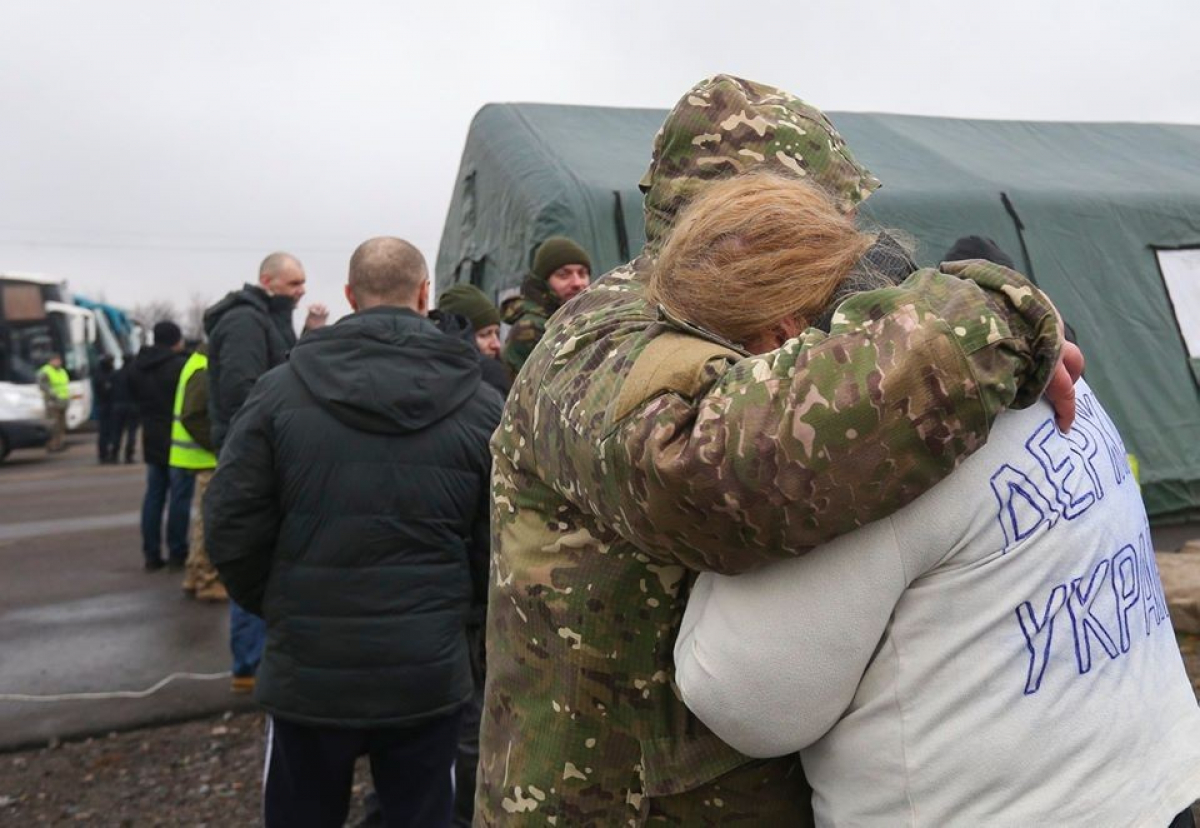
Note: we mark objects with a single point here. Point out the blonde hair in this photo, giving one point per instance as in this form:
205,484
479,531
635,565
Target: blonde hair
754,250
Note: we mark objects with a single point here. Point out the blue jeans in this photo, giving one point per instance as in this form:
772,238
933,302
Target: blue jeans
247,637
172,488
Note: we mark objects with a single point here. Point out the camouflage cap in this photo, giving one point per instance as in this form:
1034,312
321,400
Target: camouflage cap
725,126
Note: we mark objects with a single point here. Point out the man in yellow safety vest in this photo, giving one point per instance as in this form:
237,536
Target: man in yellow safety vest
54,381
192,452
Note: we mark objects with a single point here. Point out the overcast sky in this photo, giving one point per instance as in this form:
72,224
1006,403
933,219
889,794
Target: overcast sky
159,149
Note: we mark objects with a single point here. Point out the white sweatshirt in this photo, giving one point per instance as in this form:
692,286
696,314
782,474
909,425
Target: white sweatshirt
997,653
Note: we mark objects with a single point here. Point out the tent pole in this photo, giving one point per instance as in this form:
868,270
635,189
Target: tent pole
622,234
1020,225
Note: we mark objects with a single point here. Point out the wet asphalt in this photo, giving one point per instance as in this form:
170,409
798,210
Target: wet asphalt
79,615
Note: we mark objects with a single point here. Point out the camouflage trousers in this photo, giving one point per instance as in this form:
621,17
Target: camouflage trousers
56,414
200,576
767,792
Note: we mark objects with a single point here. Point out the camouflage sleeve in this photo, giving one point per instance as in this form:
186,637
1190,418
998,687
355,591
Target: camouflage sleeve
523,336
792,448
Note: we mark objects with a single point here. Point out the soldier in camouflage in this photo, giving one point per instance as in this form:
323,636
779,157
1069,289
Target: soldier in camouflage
636,449
561,271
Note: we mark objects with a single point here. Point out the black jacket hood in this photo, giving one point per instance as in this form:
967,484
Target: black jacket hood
453,325
251,295
277,310
152,356
386,370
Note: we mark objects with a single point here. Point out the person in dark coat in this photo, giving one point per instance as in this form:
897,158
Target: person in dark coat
456,325
350,509
125,411
249,333
108,438
152,383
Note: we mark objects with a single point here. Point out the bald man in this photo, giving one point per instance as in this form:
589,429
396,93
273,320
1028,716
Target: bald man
249,333
355,484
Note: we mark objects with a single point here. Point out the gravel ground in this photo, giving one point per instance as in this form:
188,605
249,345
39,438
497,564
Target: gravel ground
202,773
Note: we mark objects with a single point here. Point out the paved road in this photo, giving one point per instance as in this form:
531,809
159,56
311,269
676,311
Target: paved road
79,615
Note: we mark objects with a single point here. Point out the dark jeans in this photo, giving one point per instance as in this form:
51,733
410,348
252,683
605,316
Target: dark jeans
172,488
126,417
310,771
109,439
247,637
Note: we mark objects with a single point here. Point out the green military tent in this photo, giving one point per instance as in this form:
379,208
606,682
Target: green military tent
1105,217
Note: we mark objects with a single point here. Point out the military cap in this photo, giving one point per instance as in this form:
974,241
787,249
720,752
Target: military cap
472,303
556,252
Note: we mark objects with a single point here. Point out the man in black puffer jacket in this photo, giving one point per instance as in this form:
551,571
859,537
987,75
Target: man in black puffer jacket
350,509
249,333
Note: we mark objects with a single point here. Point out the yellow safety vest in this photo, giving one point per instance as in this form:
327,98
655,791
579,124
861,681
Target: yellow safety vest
58,379
186,453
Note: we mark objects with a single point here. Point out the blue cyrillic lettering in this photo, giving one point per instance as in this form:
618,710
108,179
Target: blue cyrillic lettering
1125,589
1084,623
1038,636
1022,506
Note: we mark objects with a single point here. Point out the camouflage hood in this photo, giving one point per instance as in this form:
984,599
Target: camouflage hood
725,126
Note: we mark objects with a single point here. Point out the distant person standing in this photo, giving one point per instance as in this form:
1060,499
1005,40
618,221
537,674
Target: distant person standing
55,384
458,306
561,271
465,311
152,383
125,411
102,389
356,483
193,453
249,333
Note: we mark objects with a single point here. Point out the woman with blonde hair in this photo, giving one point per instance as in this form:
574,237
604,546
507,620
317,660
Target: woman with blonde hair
998,652
781,241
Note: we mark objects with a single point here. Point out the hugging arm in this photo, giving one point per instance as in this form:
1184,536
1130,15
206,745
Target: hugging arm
771,660
792,448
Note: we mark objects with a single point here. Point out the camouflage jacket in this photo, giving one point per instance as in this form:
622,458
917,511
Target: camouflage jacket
621,465
528,320
599,511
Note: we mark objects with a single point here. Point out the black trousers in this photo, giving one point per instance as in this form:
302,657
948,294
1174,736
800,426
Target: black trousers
127,420
310,771
109,439
467,761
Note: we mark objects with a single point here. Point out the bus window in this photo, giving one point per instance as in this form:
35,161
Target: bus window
22,302
29,348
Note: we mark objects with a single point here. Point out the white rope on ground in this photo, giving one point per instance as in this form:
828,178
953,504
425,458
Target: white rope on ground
115,694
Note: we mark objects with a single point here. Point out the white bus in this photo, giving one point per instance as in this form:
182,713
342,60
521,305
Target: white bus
37,319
